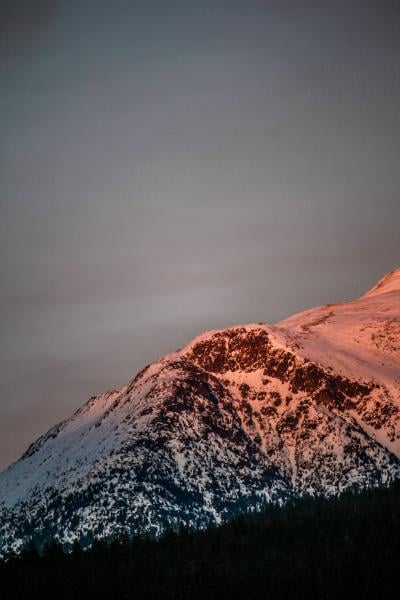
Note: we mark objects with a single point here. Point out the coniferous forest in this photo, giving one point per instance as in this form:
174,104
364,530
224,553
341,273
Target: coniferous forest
338,548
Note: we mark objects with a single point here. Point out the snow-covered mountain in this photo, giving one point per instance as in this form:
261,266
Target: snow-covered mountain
237,418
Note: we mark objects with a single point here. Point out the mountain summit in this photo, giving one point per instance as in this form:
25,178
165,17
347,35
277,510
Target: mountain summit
389,283
239,417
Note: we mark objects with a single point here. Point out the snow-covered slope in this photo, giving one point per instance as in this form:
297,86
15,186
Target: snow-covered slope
237,418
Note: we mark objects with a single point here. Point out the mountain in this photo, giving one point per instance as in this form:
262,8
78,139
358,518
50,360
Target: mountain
238,418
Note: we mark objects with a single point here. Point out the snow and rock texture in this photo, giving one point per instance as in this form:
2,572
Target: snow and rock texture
239,417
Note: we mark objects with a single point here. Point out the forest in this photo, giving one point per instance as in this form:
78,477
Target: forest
311,548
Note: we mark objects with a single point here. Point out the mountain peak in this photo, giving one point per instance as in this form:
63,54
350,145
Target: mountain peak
389,283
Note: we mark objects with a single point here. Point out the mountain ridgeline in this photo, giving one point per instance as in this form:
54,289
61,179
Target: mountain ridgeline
239,418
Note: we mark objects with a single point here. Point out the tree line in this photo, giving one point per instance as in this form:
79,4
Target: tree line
309,549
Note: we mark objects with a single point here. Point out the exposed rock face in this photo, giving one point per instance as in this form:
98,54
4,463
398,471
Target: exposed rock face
239,417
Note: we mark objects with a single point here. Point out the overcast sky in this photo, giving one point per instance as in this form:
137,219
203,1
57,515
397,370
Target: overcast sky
172,167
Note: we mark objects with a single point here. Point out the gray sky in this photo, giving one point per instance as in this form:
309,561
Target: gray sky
172,167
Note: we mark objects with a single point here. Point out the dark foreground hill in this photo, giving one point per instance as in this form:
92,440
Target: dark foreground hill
322,548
